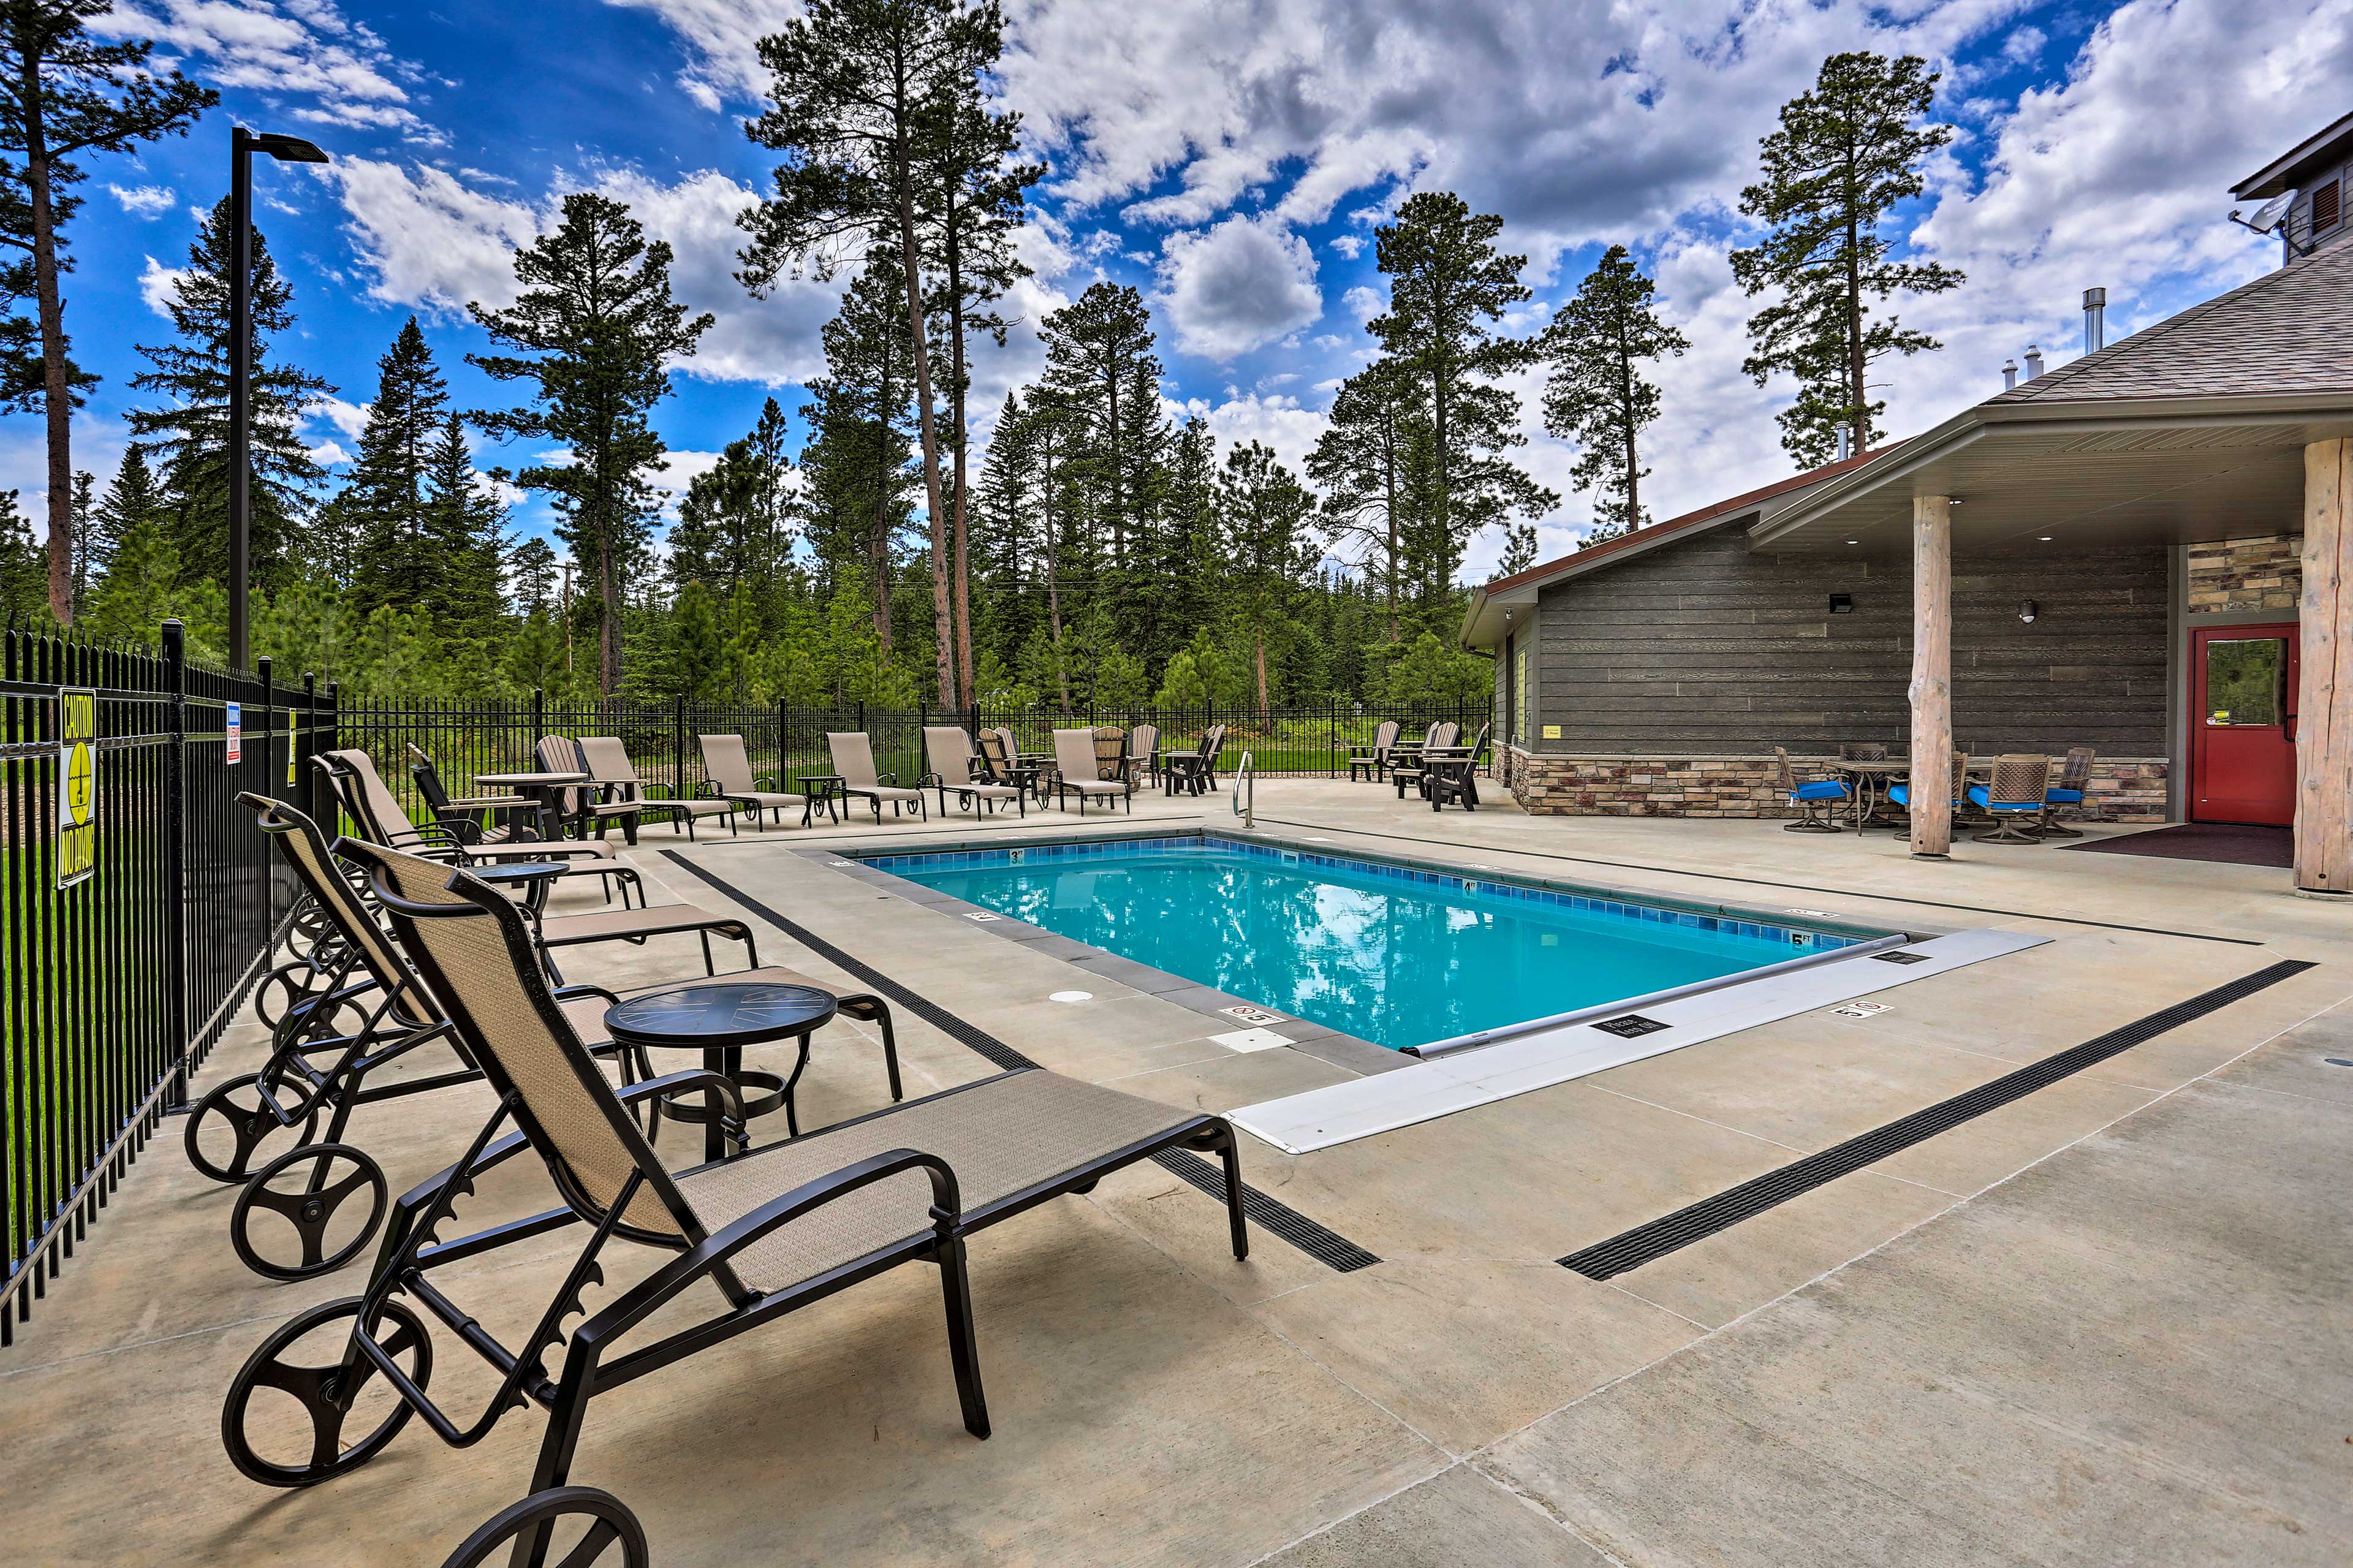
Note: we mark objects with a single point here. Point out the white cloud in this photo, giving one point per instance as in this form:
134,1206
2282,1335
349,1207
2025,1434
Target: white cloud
1237,286
158,284
144,201
346,417
432,241
1277,422
723,40
1348,245
304,48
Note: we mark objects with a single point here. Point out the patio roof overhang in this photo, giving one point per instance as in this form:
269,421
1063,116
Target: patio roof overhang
2110,470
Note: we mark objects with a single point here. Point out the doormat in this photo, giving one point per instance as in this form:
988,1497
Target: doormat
2230,842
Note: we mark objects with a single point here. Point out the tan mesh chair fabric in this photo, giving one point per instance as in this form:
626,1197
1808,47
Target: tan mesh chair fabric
949,750
608,763
1074,756
727,763
493,989
1001,1136
378,807
307,851
853,759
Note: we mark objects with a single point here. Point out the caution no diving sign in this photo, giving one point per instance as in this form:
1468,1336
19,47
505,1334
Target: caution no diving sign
76,785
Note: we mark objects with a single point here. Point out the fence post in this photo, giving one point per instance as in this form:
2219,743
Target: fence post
538,722
265,672
175,863
306,746
678,756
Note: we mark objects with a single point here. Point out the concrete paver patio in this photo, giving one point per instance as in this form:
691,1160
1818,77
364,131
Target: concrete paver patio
2103,1324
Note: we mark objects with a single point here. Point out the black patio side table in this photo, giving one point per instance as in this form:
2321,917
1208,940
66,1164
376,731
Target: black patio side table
719,1021
831,789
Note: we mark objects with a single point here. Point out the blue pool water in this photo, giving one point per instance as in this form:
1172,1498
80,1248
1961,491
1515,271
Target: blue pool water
1386,952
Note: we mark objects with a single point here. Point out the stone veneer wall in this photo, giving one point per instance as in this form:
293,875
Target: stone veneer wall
2124,789
2246,575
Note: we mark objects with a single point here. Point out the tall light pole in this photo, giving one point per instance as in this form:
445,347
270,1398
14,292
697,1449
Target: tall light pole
243,145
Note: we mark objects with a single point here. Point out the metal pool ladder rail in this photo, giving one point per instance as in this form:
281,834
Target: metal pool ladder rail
1245,801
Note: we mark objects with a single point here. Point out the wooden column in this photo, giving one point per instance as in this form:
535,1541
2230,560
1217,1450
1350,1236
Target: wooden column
1931,676
2323,716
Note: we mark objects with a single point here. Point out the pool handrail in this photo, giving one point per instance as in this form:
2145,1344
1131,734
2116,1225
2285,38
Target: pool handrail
1245,799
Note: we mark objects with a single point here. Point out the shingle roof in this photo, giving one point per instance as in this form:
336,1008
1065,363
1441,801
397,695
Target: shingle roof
2288,331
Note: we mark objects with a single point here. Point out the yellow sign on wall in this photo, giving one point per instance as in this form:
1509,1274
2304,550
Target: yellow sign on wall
76,785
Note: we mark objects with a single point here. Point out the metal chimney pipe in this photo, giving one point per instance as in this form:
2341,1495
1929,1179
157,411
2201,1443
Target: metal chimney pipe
2010,375
2033,361
2095,320
1844,435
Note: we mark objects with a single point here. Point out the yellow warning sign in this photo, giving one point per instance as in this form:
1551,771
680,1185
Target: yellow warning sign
76,785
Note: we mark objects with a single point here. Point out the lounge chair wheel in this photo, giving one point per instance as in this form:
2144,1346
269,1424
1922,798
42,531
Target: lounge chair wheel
231,1133
307,1188
293,1435
584,1524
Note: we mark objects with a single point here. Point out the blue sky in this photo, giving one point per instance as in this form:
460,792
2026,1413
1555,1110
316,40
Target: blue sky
1229,158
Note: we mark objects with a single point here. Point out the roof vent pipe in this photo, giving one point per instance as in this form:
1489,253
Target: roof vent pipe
1844,435
2010,375
2095,320
2033,361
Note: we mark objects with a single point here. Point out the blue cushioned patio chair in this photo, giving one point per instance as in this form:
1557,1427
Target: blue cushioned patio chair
1816,802
1899,793
2072,793
2014,798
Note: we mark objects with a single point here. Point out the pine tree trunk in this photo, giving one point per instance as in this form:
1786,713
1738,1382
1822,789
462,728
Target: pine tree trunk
1388,478
962,545
1633,517
56,388
943,635
1053,590
1264,710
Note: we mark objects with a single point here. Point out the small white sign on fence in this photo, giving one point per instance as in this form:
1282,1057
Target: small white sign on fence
236,731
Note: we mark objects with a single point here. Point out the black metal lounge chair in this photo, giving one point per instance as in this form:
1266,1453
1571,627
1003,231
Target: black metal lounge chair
462,814
727,774
956,767
381,819
1078,772
608,763
768,1231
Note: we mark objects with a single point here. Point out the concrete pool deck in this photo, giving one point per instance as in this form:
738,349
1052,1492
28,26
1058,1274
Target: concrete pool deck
2102,1323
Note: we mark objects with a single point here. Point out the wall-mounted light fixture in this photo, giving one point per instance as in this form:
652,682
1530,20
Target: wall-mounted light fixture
2027,611
1842,603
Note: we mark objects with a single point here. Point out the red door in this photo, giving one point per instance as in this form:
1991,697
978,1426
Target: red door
2243,725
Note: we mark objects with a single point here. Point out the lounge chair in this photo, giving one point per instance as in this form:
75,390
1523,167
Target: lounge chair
561,754
1373,762
608,763
2016,797
2072,793
1077,771
462,814
956,767
1452,773
727,773
1411,770
378,814
768,1231
853,761
1194,770
1816,799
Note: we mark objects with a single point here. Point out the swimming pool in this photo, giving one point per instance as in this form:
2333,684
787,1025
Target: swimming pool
1396,954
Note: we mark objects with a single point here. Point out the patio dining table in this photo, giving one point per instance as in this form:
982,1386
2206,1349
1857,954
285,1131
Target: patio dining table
544,788
1872,779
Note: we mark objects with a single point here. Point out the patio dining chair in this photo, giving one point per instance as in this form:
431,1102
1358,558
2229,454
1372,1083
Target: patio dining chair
1817,800
1861,752
1143,755
727,773
1373,762
1001,764
561,754
606,761
853,761
1197,769
377,812
1899,793
956,767
757,1235
1077,772
1412,770
462,814
2072,793
2015,797
1110,754
1454,772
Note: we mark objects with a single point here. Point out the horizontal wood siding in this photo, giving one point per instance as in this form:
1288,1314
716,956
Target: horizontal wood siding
1704,647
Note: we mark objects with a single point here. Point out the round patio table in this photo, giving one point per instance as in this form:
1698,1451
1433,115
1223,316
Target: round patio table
543,788
1870,784
719,1021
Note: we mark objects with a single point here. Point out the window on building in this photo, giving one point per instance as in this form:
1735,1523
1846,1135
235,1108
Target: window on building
2327,205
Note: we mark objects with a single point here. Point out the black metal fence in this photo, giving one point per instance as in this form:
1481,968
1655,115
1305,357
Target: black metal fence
114,988
465,739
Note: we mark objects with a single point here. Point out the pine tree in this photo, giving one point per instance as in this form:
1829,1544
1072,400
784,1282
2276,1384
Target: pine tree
87,563
531,570
1595,394
24,577
1447,284
596,328
1362,461
974,205
130,499
1264,514
383,505
856,464
1846,153
856,87
64,94
190,429
462,525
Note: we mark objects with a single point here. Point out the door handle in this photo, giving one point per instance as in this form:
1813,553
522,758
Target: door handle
2291,727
